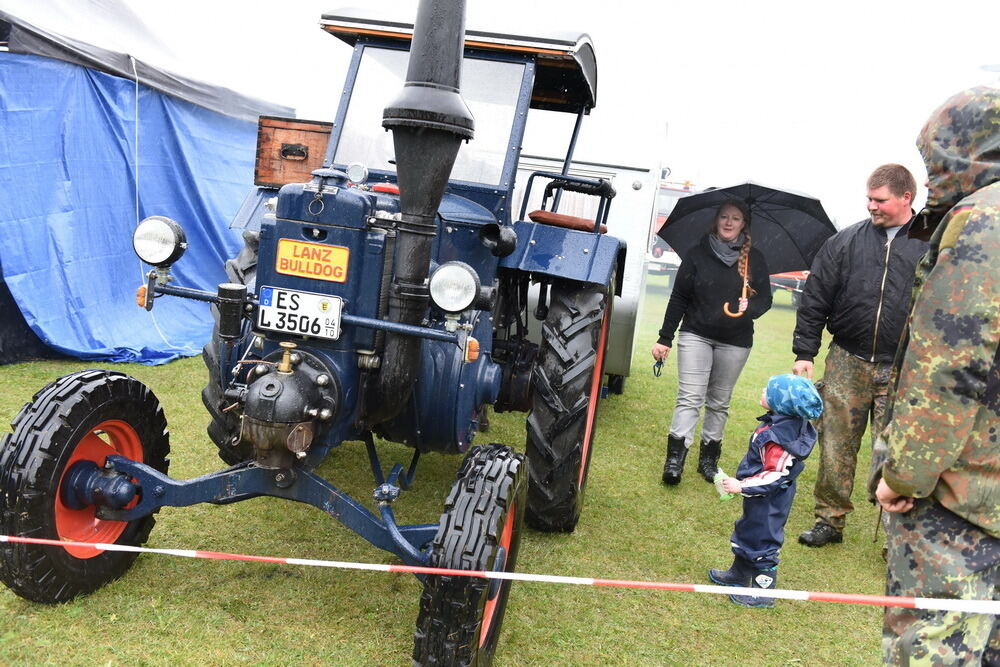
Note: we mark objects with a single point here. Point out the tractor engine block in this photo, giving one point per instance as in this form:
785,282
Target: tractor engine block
288,405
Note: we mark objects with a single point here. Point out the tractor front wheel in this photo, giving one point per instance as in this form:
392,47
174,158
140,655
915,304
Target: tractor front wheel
460,616
566,386
85,416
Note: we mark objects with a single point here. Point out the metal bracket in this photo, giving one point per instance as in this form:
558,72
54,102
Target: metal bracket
247,480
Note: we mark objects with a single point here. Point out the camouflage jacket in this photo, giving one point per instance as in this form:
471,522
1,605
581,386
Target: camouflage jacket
944,438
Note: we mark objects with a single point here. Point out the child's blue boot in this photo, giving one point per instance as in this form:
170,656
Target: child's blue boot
763,579
738,574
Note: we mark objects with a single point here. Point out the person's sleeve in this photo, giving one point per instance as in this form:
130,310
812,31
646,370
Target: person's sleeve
775,475
680,299
760,281
816,303
954,331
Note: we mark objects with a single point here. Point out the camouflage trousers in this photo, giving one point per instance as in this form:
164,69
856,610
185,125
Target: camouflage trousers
854,392
935,553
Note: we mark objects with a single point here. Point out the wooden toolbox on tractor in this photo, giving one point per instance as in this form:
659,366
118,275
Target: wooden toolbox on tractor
289,149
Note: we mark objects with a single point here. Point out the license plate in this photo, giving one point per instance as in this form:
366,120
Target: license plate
300,313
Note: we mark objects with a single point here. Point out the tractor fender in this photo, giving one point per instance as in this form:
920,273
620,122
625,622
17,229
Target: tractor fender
568,254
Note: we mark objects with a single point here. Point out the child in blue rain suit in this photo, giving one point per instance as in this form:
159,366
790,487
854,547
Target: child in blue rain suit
766,480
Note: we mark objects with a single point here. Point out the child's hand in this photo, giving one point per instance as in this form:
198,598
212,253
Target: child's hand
732,485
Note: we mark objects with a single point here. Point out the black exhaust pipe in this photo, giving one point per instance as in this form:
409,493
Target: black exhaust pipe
429,121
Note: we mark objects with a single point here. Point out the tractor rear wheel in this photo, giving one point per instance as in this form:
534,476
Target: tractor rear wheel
84,416
566,386
460,616
224,427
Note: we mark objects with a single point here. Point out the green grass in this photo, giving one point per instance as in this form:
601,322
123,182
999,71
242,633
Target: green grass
170,610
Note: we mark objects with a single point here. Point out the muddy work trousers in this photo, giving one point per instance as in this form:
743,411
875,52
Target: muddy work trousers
854,393
934,553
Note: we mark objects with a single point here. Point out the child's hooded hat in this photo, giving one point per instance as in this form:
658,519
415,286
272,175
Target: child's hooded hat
795,396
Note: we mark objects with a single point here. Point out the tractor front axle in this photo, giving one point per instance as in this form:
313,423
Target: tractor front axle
111,490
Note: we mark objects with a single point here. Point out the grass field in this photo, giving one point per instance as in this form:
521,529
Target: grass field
179,611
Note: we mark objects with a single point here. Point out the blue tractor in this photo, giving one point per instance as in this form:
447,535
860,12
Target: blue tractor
390,296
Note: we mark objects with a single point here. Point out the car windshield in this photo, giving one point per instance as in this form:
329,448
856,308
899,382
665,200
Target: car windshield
490,88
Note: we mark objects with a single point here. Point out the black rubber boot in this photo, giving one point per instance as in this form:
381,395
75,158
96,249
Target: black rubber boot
708,458
674,465
738,574
821,534
763,579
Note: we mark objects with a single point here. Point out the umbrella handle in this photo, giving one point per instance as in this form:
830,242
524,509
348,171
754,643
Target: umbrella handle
743,295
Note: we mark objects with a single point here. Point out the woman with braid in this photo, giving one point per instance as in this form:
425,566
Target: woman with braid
721,287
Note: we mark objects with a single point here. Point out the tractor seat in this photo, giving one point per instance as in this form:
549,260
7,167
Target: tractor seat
567,221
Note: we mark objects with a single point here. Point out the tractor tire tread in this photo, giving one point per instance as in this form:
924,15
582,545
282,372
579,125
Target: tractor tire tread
557,422
489,481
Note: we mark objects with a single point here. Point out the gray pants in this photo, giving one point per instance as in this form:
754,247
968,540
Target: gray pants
706,374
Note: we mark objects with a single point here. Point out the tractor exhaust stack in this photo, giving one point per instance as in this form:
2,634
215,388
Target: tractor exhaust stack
429,120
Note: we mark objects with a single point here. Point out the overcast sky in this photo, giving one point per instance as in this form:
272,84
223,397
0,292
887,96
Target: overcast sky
799,95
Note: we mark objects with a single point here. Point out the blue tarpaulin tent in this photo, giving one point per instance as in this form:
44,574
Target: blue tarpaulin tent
85,154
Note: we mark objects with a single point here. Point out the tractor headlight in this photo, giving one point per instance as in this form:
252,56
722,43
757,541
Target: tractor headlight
357,173
159,241
454,287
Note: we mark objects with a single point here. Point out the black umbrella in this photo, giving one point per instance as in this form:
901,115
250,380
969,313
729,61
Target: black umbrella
787,227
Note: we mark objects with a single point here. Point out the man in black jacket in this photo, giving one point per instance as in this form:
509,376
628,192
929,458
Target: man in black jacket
859,288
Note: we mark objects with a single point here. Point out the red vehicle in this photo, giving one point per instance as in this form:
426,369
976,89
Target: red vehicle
792,281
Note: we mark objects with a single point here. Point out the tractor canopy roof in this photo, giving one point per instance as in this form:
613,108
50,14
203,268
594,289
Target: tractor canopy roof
566,67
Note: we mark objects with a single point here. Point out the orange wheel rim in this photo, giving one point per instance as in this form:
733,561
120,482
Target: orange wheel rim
490,609
109,437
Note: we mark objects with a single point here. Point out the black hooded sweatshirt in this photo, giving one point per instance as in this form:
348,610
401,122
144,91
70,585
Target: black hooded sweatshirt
704,283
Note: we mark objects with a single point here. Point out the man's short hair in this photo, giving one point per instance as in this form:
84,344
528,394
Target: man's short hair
896,176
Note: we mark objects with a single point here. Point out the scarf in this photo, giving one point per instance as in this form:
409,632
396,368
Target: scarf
729,252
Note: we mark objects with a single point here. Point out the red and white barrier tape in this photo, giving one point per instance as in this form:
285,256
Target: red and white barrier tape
938,604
